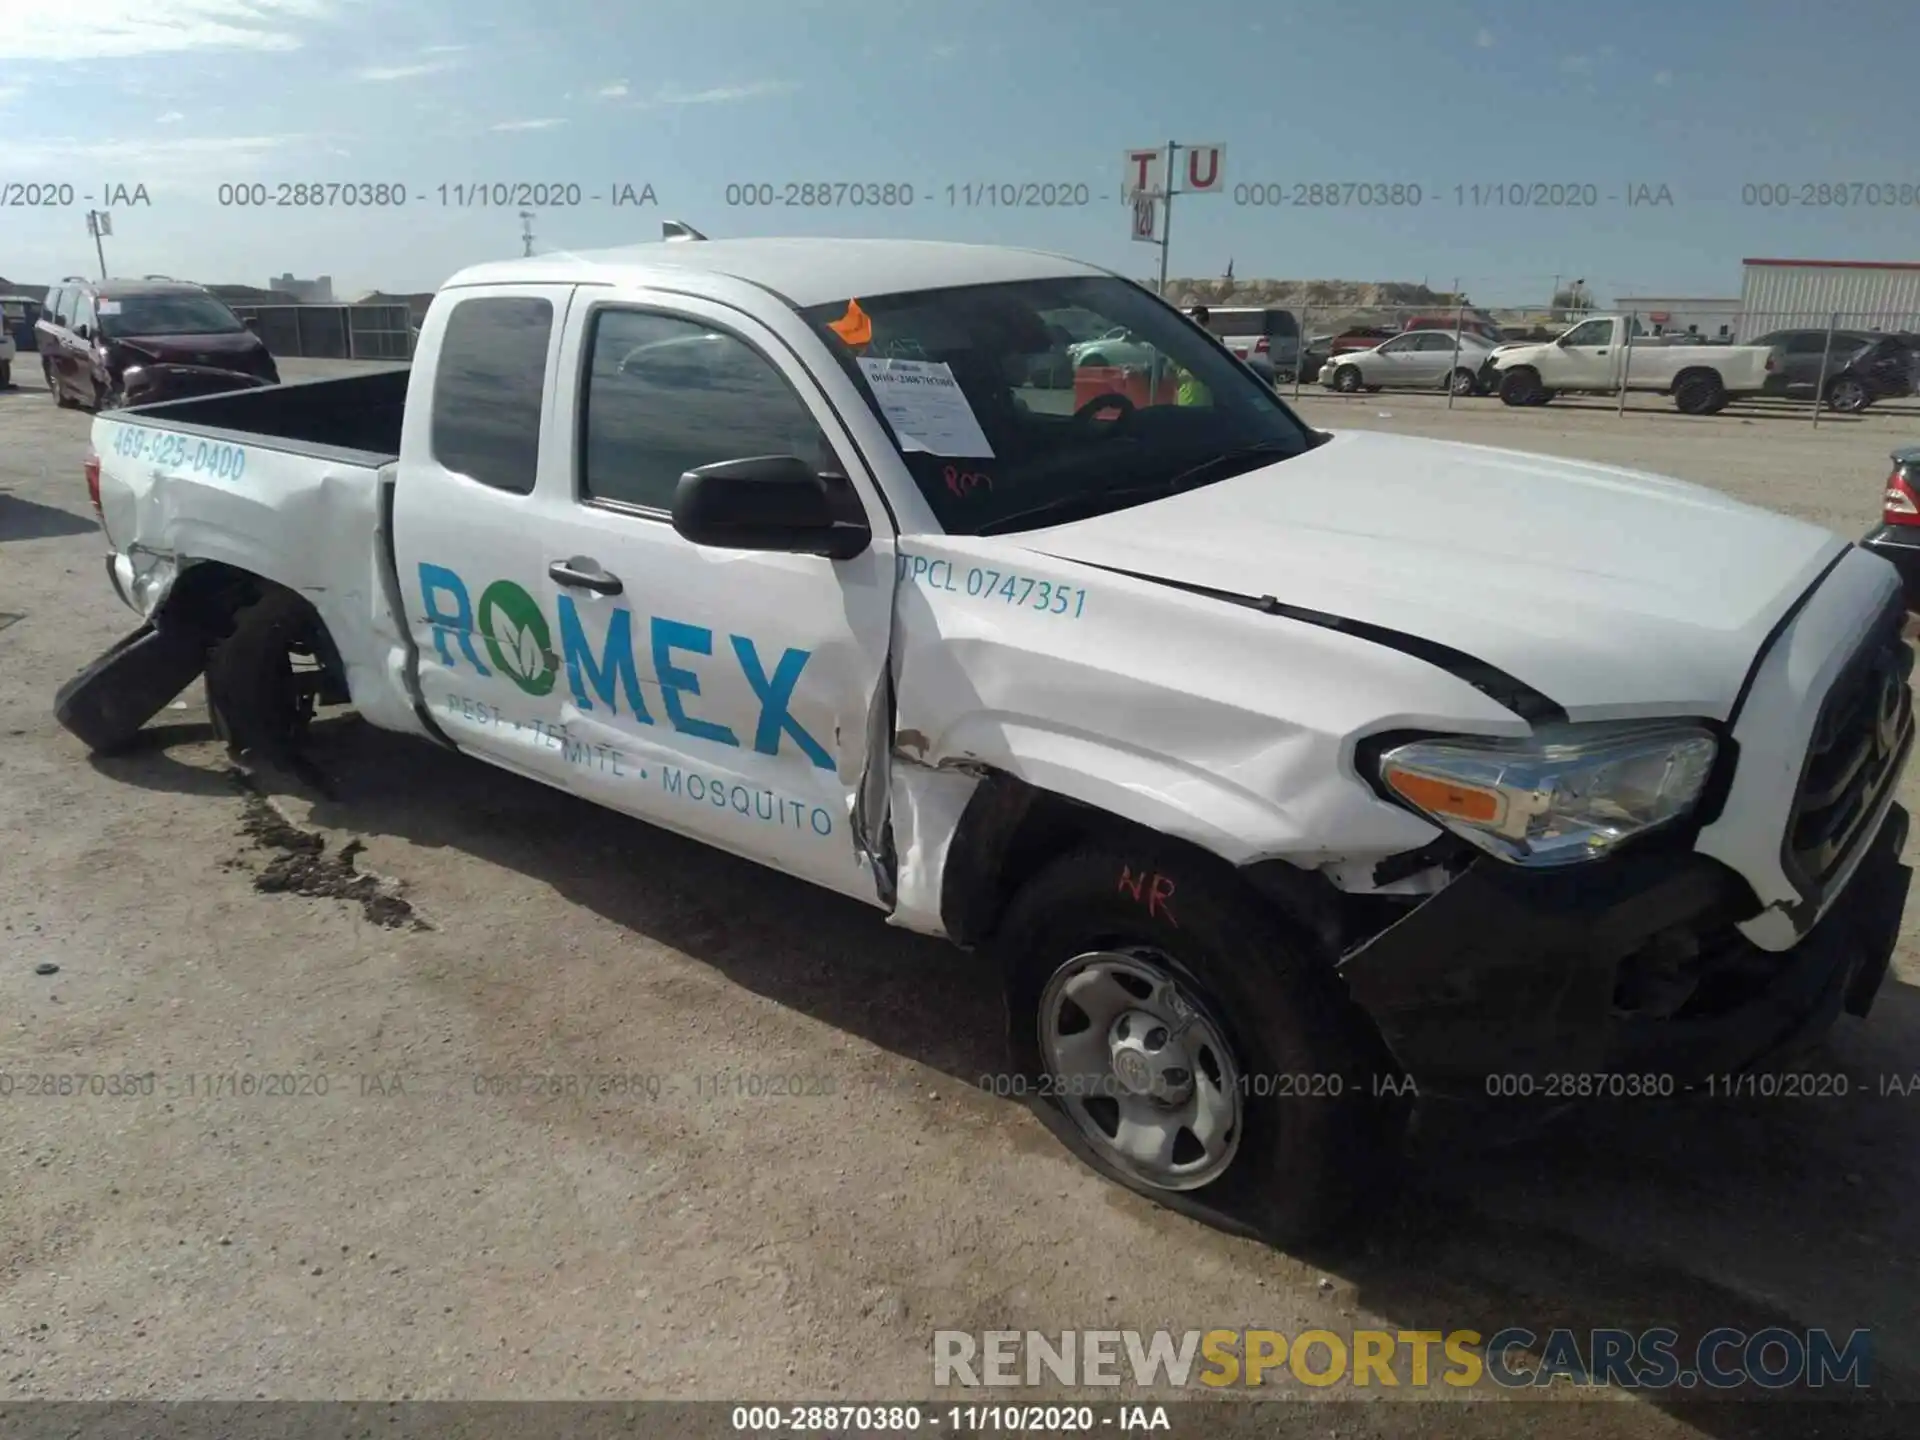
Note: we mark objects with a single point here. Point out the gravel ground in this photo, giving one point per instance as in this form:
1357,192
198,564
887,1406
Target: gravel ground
435,920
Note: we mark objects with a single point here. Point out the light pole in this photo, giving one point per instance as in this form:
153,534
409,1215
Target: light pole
99,223
526,232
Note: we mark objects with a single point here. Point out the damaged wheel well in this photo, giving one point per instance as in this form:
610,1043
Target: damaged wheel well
209,594
1010,829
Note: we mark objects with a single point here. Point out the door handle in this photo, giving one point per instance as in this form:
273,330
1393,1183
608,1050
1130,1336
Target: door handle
575,576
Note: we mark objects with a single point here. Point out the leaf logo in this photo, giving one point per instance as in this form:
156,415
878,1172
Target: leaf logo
517,637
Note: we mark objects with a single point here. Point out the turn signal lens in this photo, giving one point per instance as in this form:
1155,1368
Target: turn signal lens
1447,798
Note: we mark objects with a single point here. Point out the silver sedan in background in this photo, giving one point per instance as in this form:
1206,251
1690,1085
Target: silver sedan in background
1417,360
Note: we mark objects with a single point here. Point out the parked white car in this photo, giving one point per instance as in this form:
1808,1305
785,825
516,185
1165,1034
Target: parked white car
1419,359
1284,777
1595,355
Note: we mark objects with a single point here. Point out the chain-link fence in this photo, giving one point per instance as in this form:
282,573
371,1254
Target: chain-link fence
333,332
1817,367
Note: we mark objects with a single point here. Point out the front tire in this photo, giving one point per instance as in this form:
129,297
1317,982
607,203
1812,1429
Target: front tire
1191,1047
1521,388
1346,379
1464,382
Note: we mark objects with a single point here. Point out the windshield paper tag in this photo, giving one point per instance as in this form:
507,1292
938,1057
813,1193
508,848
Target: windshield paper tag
109,307
926,407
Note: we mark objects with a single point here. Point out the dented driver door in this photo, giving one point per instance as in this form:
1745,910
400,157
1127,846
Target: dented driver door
724,694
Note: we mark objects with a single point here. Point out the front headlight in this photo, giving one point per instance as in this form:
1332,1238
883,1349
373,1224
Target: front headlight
1562,795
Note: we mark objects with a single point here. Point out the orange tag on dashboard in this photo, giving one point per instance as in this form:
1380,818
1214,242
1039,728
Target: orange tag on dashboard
855,327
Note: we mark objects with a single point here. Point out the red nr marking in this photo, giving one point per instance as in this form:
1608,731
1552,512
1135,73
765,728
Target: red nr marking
964,482
1153,890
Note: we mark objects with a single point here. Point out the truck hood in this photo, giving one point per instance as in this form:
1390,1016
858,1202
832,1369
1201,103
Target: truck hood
1615,593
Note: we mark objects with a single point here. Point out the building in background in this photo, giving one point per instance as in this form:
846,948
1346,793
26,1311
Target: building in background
1673,315
1793,294
306,292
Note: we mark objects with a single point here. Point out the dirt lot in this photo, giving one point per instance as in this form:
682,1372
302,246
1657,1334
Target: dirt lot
402,1235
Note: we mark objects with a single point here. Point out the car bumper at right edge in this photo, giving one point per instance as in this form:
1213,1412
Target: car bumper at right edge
1639,972
1686,960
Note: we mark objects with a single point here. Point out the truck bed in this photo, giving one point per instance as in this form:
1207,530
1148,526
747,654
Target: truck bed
360,415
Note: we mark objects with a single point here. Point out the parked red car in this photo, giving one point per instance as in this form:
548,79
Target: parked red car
1471,322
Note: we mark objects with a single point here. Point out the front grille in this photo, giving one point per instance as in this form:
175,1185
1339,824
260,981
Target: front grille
1859,742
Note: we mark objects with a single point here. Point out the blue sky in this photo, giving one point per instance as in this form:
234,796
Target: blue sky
689,96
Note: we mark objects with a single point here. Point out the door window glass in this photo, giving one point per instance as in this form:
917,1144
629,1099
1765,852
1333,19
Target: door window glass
666,394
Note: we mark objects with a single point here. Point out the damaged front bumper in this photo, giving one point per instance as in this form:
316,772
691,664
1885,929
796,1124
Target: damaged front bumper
154,382
1632,966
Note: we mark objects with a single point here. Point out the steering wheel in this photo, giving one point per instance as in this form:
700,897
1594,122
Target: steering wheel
1112,400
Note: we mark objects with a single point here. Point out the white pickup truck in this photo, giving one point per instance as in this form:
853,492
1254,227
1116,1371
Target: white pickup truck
1595,354
1286,776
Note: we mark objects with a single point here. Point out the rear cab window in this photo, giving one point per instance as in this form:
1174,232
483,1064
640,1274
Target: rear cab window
489,390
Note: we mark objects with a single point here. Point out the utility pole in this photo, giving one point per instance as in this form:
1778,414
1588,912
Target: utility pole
526,232
1166,224
99,223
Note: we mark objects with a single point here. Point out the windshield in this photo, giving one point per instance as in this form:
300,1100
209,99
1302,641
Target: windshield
1064,431
184,314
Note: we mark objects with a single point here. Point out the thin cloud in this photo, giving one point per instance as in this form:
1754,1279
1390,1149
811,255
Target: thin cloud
405,72
115,29
1663,77
445,49
722,94
526,124
185,159
1577,64
10,92
172,117
616,91
1484,40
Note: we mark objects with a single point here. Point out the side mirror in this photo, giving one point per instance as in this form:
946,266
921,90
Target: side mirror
252,322
768,502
